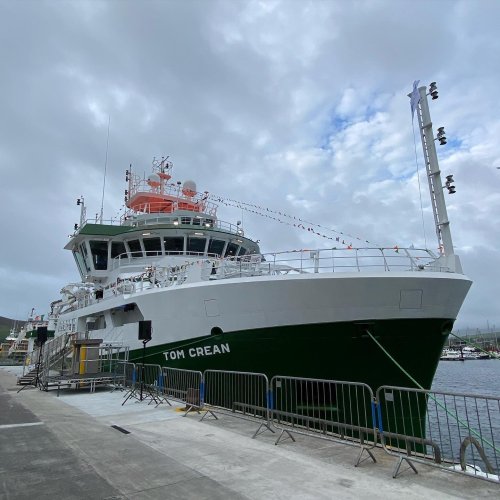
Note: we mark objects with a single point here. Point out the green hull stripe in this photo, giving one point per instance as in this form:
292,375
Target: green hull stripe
334,351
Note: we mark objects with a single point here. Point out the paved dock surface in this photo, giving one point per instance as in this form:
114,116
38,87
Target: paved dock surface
66,448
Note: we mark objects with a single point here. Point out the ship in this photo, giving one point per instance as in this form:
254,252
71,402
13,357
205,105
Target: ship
208,298
22,338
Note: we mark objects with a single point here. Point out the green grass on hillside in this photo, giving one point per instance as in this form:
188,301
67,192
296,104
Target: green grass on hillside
5,325
4,331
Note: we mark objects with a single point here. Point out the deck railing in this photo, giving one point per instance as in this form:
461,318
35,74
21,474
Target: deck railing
326,261
201,267
352,259
177,221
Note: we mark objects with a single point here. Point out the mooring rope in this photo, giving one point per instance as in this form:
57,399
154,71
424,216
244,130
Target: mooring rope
451,414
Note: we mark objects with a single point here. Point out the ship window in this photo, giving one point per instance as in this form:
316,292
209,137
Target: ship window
135,248
186,220
242,251
118,249
196,221
196,245
216,247
231,250
99,251
152,246
98,324
174,244
83,248
80,262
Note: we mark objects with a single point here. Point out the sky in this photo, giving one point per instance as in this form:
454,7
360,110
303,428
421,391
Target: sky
298,106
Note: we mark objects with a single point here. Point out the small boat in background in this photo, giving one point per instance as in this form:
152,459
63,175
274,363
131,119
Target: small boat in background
463,354
451,355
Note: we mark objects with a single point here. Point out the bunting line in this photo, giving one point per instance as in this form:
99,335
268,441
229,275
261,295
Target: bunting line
296,222
276,215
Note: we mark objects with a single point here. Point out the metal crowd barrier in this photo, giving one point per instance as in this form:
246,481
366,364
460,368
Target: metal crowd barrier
238,394
334,410
152,374
183,386
145,382
126,374
153,380
455,432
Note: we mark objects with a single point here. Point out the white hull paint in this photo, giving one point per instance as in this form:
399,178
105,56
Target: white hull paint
182,312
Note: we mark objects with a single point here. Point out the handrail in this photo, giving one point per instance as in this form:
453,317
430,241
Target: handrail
202,267
201,222
138,258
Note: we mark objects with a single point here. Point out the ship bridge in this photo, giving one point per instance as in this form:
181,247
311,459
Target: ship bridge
102,248
162,219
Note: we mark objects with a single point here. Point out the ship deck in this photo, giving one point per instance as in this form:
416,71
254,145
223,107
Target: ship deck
66,447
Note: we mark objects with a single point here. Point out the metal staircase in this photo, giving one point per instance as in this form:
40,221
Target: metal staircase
49,356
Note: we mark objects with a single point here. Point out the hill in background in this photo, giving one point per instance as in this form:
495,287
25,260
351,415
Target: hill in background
5,325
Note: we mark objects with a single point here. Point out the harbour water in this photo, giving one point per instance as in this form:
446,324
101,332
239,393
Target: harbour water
482,415
471,377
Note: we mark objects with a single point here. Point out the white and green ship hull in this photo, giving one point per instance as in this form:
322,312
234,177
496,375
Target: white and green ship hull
307,325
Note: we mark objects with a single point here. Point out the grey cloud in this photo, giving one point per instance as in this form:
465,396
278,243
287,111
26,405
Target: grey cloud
247,97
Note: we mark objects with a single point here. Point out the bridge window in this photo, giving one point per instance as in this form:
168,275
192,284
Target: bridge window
135,248
231,250
216,247
83,249
80,262
242,251
99,251
152,246
117,249
174,244
196,245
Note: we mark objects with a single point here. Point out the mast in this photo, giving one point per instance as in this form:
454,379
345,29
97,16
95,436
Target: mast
420,104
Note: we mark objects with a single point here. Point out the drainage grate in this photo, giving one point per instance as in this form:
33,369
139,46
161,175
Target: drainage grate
121,429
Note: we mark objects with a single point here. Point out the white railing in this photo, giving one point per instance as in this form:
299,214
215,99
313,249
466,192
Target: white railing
180,221
326,261
200,223
351,259
135,259
206,268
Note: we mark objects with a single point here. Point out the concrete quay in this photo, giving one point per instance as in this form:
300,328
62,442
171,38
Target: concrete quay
65,448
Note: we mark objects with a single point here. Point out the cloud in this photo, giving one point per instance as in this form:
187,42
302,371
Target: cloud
296,106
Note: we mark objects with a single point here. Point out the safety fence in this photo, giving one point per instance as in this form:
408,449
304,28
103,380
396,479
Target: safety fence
333,410
239,394
453,431
151,374
126,376
183,386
